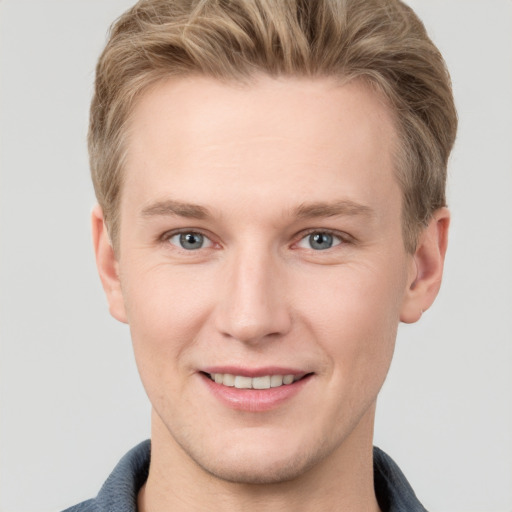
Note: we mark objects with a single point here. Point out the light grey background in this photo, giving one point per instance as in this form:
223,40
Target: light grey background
71,402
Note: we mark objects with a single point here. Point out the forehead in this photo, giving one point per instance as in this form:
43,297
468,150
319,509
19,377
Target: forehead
204,139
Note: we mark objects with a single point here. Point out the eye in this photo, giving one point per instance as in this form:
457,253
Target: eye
319,241
190,241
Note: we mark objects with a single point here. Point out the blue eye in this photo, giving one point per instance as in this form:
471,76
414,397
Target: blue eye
190,241
319,241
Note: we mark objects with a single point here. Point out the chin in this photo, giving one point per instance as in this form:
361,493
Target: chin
262,463
258,472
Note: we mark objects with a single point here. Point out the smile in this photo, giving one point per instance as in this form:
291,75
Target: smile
261,382
254,390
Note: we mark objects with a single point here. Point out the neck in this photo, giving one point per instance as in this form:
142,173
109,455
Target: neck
342,481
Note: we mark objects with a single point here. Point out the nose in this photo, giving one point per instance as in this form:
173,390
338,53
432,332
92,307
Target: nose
253,305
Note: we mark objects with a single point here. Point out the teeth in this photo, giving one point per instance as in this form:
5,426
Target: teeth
287,379
226,379
276,381
261,382
242,382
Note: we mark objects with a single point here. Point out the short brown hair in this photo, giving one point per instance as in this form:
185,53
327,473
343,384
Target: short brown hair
380,41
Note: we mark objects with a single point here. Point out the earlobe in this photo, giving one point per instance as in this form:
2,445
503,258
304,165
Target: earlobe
107,265
425,281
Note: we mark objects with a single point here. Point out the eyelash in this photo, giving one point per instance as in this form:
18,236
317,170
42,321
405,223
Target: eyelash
342,237
167,236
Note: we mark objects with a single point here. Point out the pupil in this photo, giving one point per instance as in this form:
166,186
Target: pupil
191,240
321,241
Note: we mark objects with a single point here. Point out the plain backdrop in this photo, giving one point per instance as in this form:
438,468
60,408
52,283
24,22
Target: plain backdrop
71,401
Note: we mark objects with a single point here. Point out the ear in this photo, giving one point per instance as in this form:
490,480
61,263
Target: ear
427,269
108,266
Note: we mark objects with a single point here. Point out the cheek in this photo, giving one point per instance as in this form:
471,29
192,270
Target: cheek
356,318
166,307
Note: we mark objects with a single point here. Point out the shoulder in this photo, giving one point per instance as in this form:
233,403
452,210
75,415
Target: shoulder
120,490
393,491
85,506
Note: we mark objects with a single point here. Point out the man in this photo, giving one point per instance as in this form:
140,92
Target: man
270,178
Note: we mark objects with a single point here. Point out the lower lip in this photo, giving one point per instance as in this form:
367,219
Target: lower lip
255,400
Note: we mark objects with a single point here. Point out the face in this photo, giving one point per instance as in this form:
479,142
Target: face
262,269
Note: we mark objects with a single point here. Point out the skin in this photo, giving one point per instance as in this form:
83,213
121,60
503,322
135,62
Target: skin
260,167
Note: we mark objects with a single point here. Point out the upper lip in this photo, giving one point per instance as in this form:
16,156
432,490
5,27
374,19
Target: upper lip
255,372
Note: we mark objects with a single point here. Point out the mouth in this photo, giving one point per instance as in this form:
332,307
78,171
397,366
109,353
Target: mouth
259,382
255,389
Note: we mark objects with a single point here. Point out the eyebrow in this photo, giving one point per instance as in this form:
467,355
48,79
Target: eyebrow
333,209
176,208
303,211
